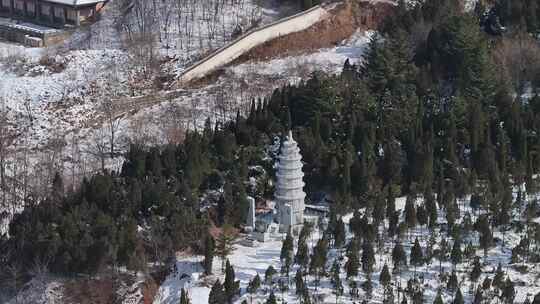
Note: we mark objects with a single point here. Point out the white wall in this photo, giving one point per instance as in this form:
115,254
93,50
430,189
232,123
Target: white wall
251,39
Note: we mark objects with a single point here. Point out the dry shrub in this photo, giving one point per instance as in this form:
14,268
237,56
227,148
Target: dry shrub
92,291
517,59
149,290
50,60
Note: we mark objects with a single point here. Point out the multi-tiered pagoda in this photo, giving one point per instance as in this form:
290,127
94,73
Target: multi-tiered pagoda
290,193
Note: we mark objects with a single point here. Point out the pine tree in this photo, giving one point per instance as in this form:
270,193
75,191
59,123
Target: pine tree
208,254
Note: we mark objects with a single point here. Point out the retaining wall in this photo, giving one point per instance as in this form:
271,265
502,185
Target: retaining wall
251,39
30,37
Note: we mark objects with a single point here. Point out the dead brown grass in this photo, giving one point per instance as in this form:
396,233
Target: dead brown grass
345,19
89,291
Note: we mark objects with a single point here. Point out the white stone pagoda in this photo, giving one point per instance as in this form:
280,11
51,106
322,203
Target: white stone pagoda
290,193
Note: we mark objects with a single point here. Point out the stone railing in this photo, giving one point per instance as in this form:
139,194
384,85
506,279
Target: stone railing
251,39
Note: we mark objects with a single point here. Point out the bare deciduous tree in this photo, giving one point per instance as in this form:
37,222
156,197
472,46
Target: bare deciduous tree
517,58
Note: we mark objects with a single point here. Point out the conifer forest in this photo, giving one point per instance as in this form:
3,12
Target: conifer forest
425,155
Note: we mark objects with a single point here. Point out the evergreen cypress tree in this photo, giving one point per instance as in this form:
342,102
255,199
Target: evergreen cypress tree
456,255
486,236
367,286
217,295
410,213
438,298
478,297
224,245
319,257
385,277
184,298
452,282
417,257
477,270
431,209
287,247
368,257
458,298
390,203
508,291
339,234
231,286
208,254
353,261
498,280
418,297
254,284
271,299
336,280
269,274
421,215
536,299
399,257
299,282
302,254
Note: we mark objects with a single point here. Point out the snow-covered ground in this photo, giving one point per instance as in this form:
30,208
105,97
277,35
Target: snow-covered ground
293,68
249,261
236,88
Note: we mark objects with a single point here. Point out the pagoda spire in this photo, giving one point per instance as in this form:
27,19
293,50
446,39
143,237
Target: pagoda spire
290,193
